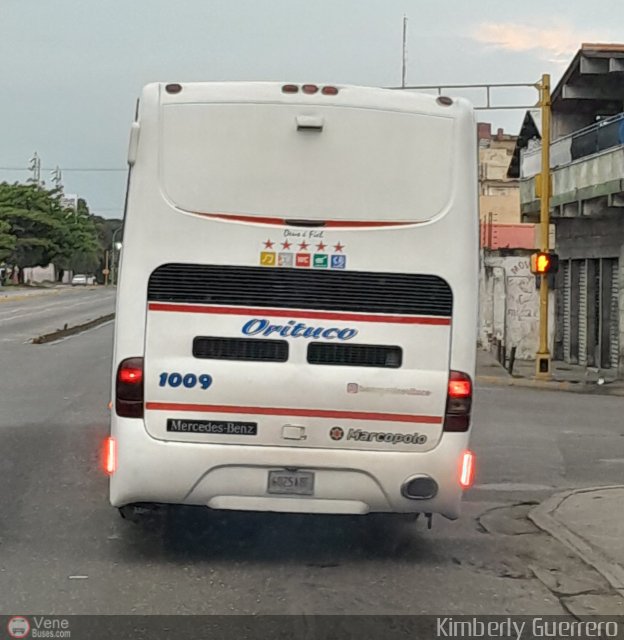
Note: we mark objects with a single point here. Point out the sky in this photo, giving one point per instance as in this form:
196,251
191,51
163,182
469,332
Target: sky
71,70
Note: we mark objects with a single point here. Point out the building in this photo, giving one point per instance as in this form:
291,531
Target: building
509,301
587,204
499,195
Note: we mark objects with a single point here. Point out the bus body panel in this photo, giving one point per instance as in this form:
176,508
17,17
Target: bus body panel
227,477
202,165
165,226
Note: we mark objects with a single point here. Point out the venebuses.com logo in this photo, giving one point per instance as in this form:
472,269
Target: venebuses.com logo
38,627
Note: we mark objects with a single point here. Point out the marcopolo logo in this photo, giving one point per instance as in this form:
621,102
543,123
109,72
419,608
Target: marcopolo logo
294,329
336,433
390,438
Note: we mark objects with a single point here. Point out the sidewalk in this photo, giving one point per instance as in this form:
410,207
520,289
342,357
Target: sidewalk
566,377
14,294
591,523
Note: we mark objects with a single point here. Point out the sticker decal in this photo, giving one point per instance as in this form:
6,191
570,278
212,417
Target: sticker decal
303,259
320,260
303,248
354,387
267,258
188,380
285,259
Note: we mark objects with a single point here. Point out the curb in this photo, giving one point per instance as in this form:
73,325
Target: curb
72,331
542,516
570,387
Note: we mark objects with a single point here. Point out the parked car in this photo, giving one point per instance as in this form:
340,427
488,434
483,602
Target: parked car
82,279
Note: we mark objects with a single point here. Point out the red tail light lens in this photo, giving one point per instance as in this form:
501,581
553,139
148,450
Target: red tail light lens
329,91
290,88
131,375
129,389
467,471
309,88
458,402
110,456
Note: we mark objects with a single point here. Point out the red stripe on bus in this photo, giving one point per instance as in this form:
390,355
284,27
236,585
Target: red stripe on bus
285,313
325,223
284,411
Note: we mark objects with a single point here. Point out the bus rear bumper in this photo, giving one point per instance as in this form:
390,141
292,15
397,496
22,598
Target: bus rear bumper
236,477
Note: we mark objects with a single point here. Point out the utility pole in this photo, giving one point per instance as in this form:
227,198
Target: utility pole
57,178
404,58
543,184
35,167
106,270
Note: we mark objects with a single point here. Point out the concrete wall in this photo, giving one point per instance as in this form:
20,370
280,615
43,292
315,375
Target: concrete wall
566,122
506,236
39,274
509,304
579,238
35,275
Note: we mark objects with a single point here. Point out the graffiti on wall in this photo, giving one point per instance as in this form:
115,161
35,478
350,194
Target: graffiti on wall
522,308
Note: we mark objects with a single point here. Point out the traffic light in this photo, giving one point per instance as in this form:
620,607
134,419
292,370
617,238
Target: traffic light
544,263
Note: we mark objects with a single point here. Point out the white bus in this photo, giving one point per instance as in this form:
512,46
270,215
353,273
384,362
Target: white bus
297,303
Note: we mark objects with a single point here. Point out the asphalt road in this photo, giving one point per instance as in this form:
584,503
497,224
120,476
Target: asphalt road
25,318
63,549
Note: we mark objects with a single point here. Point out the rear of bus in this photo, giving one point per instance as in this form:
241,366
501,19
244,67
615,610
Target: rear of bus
297,304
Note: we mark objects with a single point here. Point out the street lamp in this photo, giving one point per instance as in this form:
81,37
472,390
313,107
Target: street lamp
116,247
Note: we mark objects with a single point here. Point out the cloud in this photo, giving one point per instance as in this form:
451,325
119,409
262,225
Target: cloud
556,44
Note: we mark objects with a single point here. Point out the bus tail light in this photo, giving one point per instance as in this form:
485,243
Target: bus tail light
467,471
129,388
458,402
329,91
110,456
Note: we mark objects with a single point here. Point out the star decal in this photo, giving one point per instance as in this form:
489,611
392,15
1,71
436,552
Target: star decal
286,244
338,247
304,245
268,244
321,246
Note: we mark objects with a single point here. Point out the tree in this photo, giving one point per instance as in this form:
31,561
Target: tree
35,230
7,240
27,212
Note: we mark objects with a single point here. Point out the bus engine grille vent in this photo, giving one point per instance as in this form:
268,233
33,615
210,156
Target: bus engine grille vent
355,355
290,288
241,349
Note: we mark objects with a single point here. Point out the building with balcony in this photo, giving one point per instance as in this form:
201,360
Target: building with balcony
587,204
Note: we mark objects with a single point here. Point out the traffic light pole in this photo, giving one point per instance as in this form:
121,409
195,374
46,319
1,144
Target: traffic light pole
542,358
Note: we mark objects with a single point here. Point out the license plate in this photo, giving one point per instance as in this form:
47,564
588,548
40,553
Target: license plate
299,483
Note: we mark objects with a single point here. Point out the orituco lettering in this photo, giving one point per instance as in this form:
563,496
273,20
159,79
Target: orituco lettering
294,329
